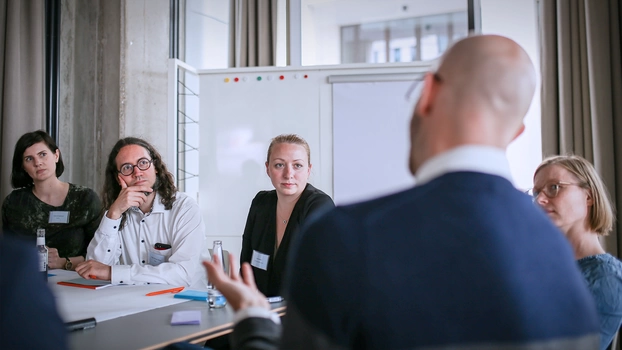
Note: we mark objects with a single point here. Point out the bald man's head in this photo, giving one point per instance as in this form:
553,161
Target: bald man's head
492,74
479,95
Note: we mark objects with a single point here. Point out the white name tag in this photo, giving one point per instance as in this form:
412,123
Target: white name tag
59,217
260,260
156,259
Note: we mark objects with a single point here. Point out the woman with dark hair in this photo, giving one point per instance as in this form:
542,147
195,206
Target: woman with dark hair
573,195
69,213
149,233
275,217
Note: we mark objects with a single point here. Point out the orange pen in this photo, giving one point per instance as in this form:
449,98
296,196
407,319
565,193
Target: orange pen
164,291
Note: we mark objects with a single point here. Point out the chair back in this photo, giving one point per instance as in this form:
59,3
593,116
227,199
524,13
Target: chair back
615,344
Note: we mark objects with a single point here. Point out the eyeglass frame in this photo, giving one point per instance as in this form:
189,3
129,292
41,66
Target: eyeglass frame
149,162
534,195
415,89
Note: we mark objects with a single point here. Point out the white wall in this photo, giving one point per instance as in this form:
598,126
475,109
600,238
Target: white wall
517,20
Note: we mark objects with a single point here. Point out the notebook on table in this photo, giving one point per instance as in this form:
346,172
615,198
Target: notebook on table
84,283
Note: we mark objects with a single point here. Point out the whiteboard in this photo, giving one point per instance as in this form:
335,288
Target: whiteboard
241,110
370,140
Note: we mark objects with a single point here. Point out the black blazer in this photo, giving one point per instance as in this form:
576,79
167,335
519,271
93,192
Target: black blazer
260,233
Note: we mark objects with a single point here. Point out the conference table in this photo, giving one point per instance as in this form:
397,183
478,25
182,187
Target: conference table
128,319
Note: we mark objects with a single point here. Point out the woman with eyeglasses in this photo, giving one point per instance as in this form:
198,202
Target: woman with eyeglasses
69,213
575,198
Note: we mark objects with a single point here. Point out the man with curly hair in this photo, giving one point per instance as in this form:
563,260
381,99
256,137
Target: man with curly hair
150,233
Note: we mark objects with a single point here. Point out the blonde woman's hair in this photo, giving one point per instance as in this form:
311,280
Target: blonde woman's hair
601,214
289,138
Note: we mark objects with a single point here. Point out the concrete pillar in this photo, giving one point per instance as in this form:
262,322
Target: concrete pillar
113,81
144,71
89,87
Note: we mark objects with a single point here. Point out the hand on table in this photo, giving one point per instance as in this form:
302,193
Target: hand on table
130,196
91,269
240,294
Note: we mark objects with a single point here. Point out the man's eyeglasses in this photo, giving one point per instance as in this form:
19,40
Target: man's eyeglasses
414,91
127,168
551,190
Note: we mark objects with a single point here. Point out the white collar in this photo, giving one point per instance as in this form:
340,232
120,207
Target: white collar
481,159
158,207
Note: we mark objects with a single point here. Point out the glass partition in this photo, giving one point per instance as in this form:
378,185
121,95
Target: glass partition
402,40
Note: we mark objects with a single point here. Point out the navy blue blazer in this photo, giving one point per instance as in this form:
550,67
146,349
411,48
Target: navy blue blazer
463,259
28,315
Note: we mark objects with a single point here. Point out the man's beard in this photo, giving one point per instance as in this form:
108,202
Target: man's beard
415,136
155,186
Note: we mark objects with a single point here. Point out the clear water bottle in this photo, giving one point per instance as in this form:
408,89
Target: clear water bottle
43,253
215,299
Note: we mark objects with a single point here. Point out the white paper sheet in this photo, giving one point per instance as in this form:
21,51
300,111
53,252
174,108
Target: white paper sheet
108,303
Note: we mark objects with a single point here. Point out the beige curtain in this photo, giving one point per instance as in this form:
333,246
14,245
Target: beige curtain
253,24
22,77
582,89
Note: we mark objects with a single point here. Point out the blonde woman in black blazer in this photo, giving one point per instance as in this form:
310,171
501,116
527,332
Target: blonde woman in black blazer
275,217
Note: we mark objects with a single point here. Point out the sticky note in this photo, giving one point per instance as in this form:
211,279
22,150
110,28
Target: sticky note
186,317
192,294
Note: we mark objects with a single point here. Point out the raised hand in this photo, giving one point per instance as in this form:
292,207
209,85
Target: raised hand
240,294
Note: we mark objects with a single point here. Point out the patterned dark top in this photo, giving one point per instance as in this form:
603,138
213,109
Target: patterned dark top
603,273
23,213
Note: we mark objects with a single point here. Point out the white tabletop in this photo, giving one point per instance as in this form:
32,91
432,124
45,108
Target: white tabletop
75,303
127,319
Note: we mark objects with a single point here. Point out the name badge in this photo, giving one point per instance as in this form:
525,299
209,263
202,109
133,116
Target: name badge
59,217
156,259
260,260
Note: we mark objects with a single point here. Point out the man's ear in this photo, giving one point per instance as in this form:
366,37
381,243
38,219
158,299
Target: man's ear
424,105
519,132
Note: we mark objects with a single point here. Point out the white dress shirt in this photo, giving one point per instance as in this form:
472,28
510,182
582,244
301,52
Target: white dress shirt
131,251
480,159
